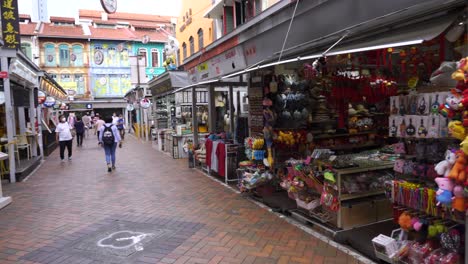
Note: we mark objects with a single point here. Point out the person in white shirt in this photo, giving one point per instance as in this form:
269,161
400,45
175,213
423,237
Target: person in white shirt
115,119
87,122
64,137
99,123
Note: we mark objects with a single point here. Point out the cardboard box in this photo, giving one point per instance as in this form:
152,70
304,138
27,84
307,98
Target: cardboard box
358,214
384,209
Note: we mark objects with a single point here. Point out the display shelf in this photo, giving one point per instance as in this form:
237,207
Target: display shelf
350,147
386,165
345,135
351,196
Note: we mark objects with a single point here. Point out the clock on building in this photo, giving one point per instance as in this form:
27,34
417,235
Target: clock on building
110,6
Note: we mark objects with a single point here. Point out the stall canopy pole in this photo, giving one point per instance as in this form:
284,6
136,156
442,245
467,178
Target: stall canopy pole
39,131
211,109
238,115
33,120
289,29
194,117
231,110
9,120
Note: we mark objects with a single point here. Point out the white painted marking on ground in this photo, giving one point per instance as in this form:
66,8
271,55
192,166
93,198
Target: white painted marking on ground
135,240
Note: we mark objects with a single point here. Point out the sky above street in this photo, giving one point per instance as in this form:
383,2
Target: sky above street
68,8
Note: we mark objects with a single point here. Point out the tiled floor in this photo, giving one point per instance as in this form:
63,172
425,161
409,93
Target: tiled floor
152,209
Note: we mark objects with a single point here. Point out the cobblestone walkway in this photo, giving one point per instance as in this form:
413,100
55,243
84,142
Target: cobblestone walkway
152,209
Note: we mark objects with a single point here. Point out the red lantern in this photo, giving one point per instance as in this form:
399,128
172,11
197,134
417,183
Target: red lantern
402,53
413,50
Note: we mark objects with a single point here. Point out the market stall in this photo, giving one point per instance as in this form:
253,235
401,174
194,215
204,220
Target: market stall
354,138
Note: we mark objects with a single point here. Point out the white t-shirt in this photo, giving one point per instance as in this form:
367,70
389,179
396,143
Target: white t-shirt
64,131
115,120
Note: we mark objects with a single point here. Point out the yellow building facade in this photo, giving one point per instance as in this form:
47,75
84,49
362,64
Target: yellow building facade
193,30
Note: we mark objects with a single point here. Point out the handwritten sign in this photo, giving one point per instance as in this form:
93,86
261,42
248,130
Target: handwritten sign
255,91
10,24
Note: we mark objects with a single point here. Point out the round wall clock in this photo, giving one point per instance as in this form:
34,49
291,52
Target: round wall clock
98,57
110,6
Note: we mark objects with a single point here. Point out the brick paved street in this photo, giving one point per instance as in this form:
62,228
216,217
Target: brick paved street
75,212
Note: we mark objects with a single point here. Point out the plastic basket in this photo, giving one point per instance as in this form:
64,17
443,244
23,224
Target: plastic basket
308,206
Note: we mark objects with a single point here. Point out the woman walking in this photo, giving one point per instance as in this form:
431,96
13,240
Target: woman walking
109,137
79,129
64,137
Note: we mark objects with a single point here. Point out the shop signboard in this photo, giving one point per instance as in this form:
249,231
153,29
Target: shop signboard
49,101
3,74
228,62
10,24
22,71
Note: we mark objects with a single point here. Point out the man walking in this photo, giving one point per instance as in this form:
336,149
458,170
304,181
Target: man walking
87,122
109,137
121,128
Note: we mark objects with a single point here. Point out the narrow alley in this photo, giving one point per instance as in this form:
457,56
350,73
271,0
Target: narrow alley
76,212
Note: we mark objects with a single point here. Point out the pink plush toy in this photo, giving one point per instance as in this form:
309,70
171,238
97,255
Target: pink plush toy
444,167
444,193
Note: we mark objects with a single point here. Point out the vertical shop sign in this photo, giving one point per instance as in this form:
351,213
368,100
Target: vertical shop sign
10,24
255,92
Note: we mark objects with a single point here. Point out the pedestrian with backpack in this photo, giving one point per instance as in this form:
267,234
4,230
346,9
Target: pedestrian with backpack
109,138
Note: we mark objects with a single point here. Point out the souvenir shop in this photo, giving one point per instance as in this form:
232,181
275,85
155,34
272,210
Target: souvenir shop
49,99
368,144
172,108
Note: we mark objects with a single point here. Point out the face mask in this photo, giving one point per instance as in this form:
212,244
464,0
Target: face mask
63,119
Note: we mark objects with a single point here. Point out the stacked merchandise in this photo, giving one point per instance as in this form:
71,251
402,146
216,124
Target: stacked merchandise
430,192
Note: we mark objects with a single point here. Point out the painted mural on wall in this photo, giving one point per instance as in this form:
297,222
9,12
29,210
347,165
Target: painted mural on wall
67,63
110,69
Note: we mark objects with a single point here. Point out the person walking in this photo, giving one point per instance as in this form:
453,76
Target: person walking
87,122
98,125
109,137
121,128
64,137
79,129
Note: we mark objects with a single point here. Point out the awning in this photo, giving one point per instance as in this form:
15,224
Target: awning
167,82
216,10
396,37
49,86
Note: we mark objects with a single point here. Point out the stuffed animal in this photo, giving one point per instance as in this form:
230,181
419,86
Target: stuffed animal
444,167
457,130
170,51
444,192
458,199
451,107
458,172
461,74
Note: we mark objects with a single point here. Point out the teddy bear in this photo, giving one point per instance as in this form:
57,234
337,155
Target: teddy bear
444,192
451,107
458,172
457,130
458,199
444,167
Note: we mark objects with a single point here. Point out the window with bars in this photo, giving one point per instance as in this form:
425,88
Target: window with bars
142,53
154,58
77,55
64,53
50,55
184,50
192,45
27,50
200,39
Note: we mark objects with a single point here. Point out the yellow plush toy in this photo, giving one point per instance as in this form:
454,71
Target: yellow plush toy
464,146
461,73
457,130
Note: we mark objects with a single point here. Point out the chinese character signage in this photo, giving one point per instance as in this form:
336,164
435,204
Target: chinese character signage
10,24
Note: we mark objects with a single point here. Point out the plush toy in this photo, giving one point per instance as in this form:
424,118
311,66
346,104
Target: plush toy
457,130
458,199
170,51
461,74
444,193
452,105
458,170
444,167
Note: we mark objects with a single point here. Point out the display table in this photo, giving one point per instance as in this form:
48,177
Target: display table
178,142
